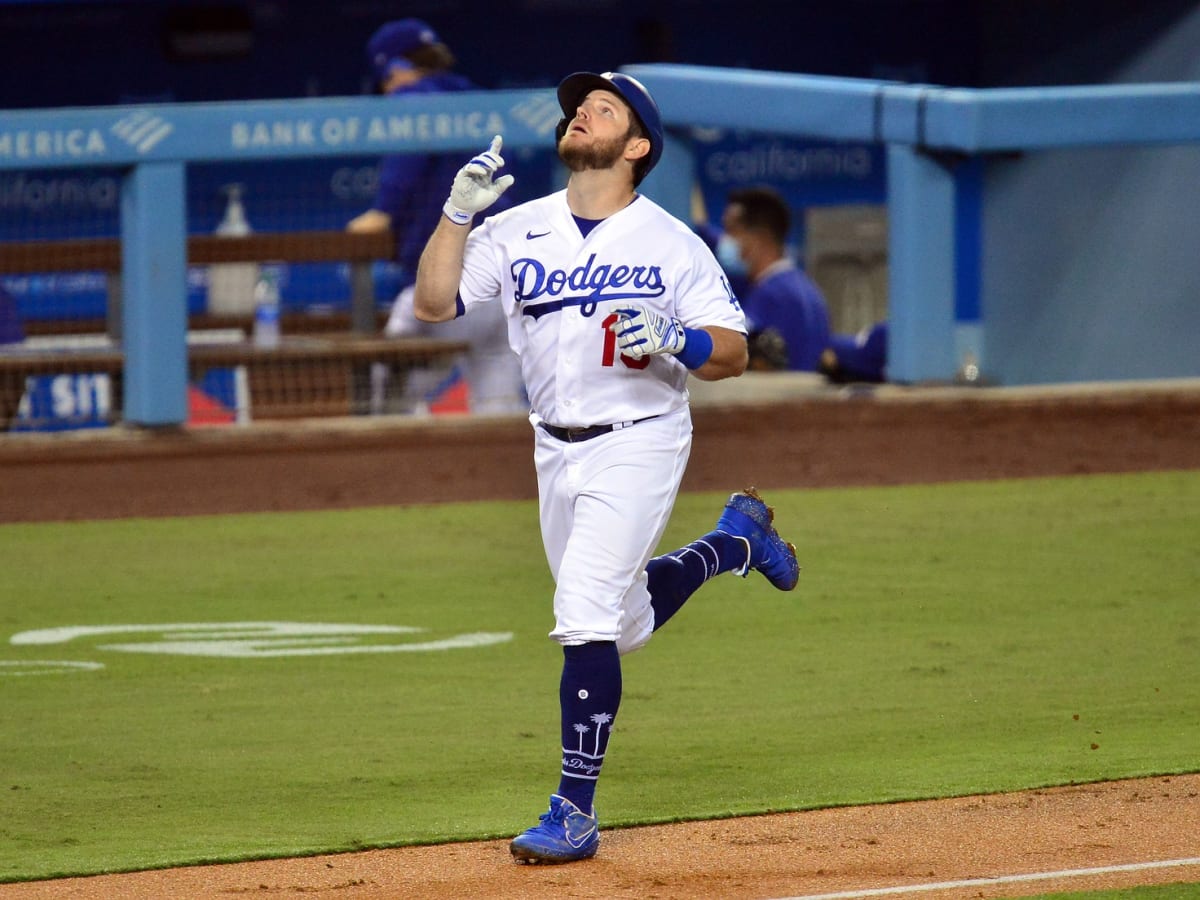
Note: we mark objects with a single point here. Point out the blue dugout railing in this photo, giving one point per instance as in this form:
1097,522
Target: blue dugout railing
925,129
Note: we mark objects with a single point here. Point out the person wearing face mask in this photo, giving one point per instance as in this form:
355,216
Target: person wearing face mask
785,310
729,255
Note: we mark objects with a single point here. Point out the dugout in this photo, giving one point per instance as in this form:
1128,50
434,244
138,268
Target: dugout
1057,256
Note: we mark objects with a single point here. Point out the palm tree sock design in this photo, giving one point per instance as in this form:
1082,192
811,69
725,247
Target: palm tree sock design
589,693
674,577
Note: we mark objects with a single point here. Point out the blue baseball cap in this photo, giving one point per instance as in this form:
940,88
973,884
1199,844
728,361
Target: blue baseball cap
390,46
574,88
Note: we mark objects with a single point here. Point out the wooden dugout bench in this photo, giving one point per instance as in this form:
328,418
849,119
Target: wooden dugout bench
321,368
359,251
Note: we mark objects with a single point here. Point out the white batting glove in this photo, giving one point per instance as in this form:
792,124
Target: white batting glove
641,332
474,190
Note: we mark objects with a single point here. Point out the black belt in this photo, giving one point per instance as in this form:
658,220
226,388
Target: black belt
586,432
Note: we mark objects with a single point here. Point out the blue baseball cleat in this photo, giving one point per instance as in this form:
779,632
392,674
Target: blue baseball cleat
747,516
564,834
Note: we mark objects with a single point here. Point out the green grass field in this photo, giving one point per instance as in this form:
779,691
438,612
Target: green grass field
944,640
1156,892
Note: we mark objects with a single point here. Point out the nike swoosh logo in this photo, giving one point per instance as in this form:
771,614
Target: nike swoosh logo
578,841
529,235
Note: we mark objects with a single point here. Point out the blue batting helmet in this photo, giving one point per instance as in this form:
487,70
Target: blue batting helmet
574,88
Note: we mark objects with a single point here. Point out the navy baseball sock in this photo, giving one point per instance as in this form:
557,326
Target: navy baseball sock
589,693
675,576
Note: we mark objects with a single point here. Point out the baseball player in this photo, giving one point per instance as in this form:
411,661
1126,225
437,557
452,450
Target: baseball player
610,304
782,302
856,357
489,366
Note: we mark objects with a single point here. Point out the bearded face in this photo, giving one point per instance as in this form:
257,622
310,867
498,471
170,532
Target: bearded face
580,156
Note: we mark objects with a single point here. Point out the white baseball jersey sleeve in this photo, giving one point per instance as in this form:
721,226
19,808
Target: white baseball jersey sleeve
560,291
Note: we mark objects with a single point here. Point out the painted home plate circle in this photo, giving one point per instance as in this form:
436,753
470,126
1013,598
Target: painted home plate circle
257,639
15,667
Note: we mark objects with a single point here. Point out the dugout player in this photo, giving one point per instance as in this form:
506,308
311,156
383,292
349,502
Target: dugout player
857,357
489,367
784,308
407,58
610,304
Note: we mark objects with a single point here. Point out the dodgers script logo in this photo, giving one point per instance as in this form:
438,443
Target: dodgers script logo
592,283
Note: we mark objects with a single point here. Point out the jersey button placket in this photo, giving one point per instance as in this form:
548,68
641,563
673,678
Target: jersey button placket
570,377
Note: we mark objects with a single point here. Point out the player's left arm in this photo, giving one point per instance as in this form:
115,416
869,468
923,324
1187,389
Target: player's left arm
713,346
711,352
729,358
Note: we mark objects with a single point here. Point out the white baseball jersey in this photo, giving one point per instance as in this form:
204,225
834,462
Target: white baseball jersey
603,503
561,291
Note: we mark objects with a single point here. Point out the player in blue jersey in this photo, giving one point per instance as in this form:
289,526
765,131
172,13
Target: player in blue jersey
407,58
857,357
785,311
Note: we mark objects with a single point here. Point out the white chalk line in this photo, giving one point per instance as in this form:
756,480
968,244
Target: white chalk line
999,879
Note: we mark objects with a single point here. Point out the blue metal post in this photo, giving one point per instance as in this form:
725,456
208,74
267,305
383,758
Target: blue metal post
154,275
670,184
921,211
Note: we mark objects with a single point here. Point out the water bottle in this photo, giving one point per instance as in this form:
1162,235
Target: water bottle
266,309
231,285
